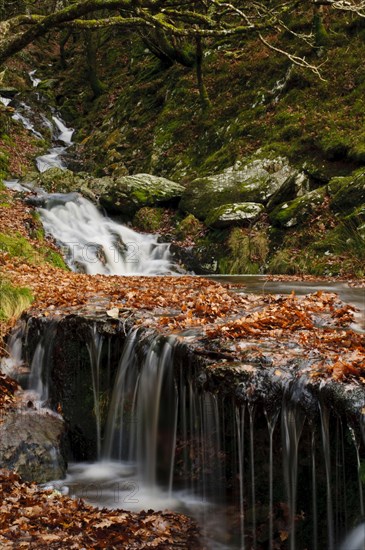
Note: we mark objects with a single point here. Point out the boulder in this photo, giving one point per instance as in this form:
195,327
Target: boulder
30,443
58,180
256,181
347,192
127,194
234,214
294,212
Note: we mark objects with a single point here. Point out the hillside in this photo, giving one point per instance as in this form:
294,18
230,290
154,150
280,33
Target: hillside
265,112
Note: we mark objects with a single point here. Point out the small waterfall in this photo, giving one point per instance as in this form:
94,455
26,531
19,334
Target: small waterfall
64,133
53,159
94,243
35,81
141,426
22,115
281,473
292,420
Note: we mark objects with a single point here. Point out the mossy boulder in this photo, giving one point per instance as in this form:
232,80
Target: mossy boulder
58,180
149,219
189,228
347,192
254,181
128,194
234,214
296,211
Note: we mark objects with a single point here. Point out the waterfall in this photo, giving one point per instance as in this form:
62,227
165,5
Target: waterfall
94,243
271,474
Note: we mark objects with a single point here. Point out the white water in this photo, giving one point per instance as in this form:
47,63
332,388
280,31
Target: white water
94,243
35,81
53,159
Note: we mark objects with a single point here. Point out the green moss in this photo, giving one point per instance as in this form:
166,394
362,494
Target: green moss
320,33
13,300
189,228
248,250
54,258
296,211
149,219
18,246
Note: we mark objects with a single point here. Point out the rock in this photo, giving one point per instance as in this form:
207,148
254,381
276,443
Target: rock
127,194
234,214
30,444
256,181
295,186
149,219
189,228
57,180
347,192
294,212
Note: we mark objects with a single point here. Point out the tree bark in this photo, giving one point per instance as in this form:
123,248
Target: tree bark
91,43
203,93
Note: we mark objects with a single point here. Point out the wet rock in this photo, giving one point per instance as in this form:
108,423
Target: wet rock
31,443
255,181
234,214
57,180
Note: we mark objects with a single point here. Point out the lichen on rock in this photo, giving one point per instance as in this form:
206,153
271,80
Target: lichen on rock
234,214
254,180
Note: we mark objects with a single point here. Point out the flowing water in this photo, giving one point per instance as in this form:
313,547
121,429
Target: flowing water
91,242
253,476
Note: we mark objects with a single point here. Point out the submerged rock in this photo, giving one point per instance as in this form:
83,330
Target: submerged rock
234,214
256,181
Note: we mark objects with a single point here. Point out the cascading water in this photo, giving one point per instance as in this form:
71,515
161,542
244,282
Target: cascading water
283,473
253,476
94,243
91,242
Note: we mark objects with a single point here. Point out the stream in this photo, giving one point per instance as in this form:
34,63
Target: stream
163,444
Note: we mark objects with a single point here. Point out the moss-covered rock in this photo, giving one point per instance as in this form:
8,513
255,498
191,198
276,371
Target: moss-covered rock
189,228
296,211
347,192
253,181
149,219
128,194
234,214
31,444
57,180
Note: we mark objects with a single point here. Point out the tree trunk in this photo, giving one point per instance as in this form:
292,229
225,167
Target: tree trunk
204,97
91,43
